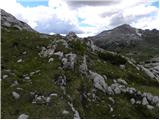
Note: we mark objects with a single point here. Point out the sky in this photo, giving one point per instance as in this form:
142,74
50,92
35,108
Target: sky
84,17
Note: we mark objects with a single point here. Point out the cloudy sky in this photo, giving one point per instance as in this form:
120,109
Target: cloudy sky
85,17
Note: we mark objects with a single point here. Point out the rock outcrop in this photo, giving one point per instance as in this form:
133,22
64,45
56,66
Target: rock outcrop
8,20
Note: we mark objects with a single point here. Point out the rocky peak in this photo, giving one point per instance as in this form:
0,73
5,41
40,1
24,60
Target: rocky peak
8,20
71,35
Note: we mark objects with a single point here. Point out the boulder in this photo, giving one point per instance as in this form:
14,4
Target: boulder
65,112
15,95
132,100
23,116
144,101
4,76
71,36
117,90
61,81
50,59
122,67
69,61
59,54
39,99
115,87
83,67
19,61
122,81
155,100
14,83
149,96
109,91
99,81
138,102
111,99
24,53
150,107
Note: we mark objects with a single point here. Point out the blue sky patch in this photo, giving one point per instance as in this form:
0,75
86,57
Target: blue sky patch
86,25
156,4
33,3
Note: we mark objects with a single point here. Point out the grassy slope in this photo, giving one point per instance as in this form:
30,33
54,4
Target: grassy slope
15,42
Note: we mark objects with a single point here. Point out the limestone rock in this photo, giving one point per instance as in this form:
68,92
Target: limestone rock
71,36
19,61
99,81
15,95
122,67
61,81
132,100
122,81
144,101
150,107
65,112
59,54
69,61
111,99
50,59
4,76
83,67
23,116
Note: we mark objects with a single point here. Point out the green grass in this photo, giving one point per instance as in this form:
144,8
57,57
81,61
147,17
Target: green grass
14,43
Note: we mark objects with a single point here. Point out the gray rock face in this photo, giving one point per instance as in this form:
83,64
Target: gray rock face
8,20
69,60
147,71
115,87
111,99
83,67
19,61
155,100
132,101
15,83
122,67
144,101
91,45
99,81
152,66
109,91
59,54
76,113
61,81
15,95
50,60
71,36
23,116
65,112
49,51
5,76
122,81
150,107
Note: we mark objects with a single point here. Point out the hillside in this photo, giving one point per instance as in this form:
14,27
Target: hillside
46,76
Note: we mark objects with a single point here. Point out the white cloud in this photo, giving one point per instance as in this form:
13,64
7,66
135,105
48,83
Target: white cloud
87,18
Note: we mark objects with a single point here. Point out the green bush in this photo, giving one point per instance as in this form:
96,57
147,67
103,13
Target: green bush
113,59
78,47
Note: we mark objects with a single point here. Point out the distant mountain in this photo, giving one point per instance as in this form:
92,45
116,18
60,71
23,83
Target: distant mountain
8,20
126,39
